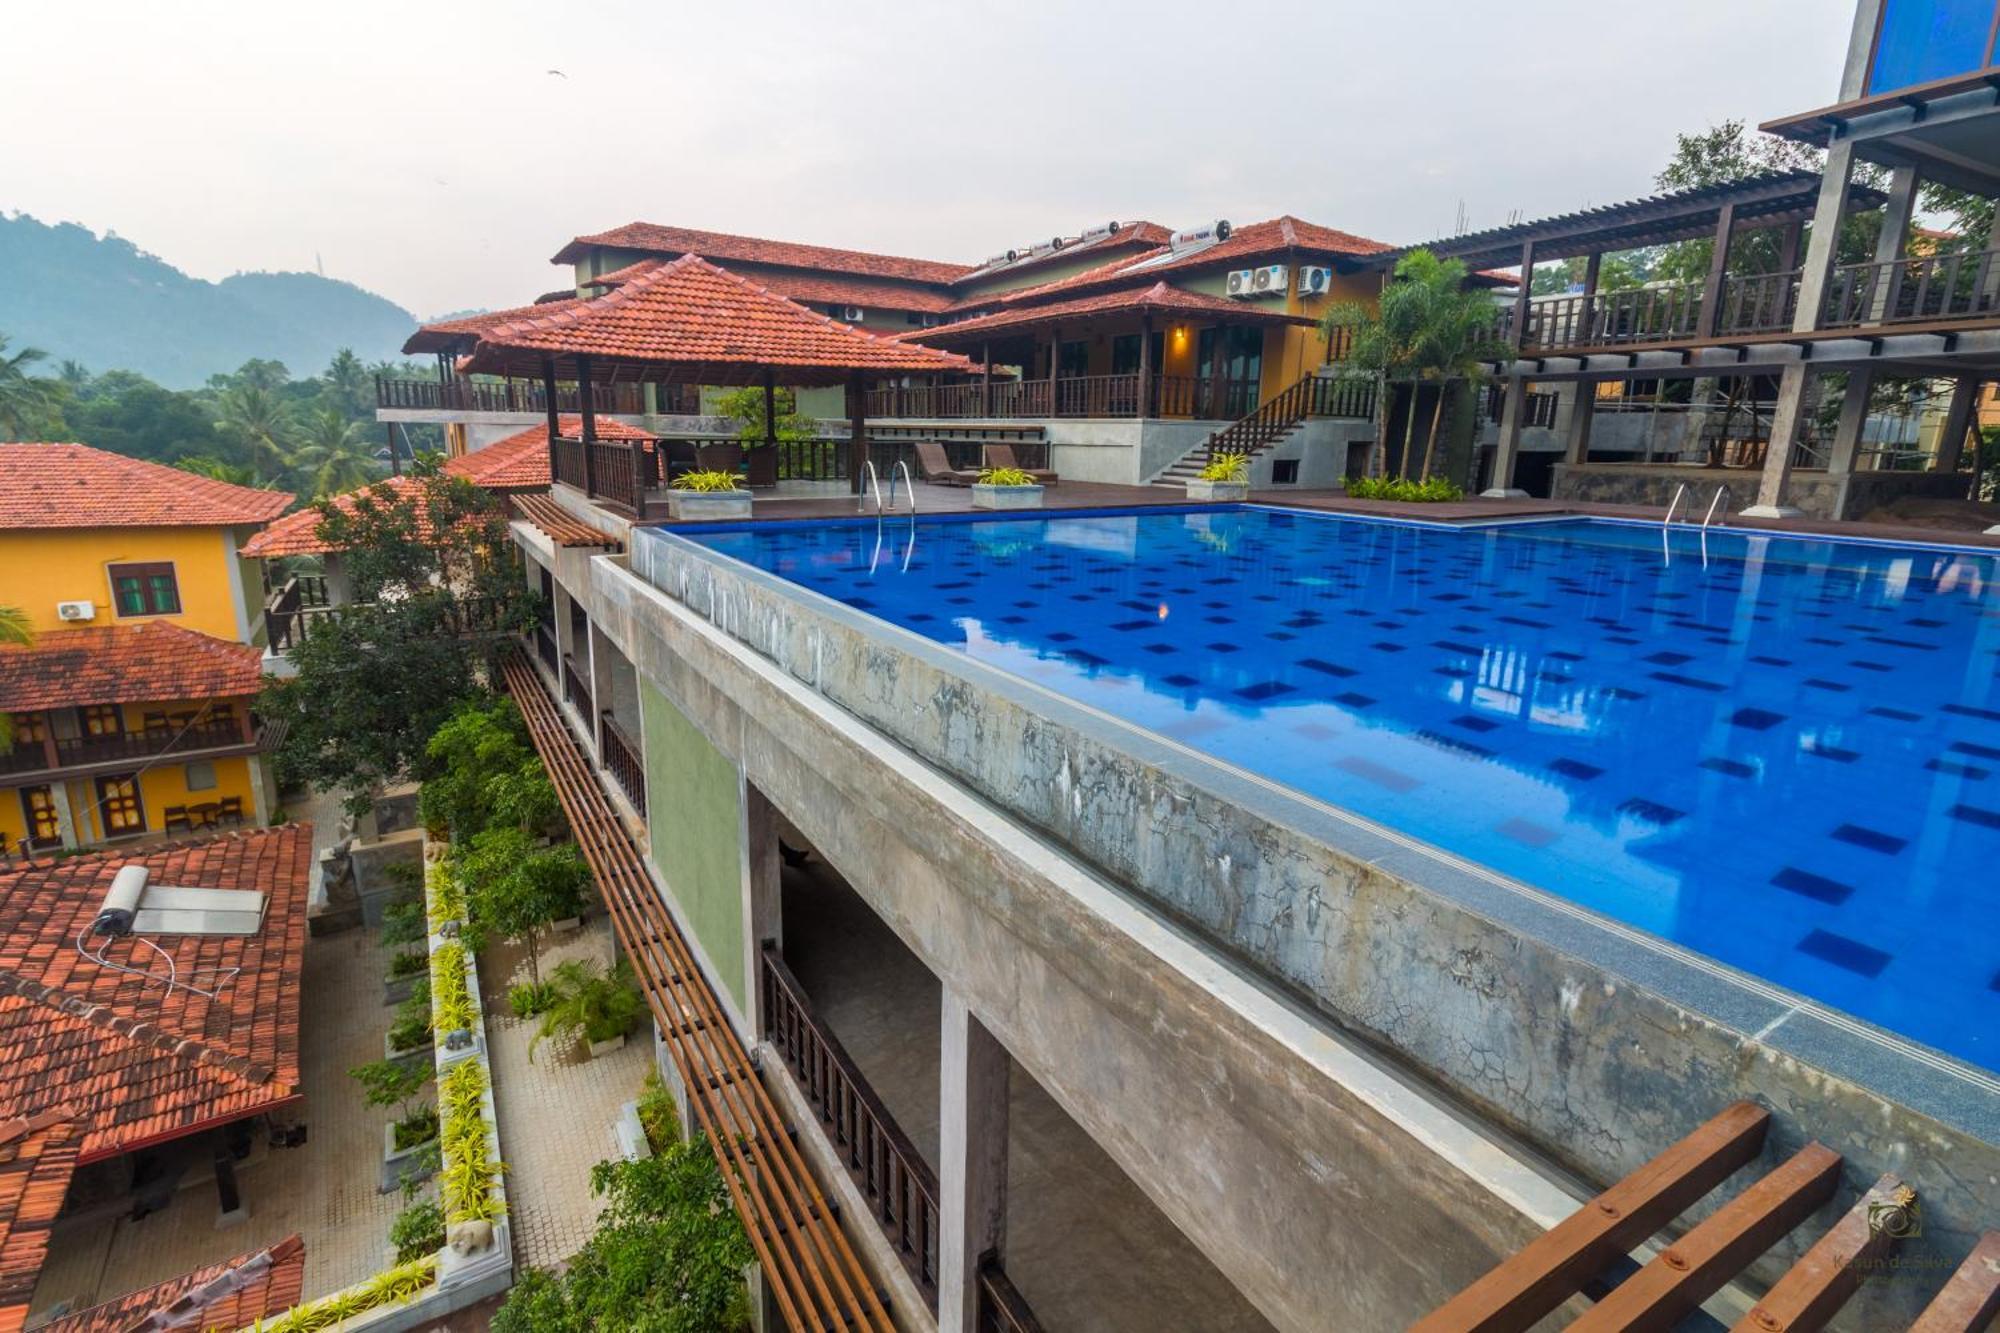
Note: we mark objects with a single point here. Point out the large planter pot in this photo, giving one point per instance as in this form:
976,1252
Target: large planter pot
398,1162
707,506
1005,497
425,1053
603,1048
1231,492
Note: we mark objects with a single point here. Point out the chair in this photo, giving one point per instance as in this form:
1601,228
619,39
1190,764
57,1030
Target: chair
202,814
230,811
761,467
719,456
1002,455
177,820
936,468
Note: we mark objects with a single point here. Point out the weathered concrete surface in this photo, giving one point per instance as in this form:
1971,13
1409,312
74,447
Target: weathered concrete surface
1819,494
1590,1065
1309,1173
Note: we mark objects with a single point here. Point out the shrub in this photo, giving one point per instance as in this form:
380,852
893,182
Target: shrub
530,999
412,1025
466,1182
407,964
452,1009
658,1115
390,1083
420,1126
709,482
1432,491
481,773
1005,476
1227,467
589,1004
516,889
402,923
418,1230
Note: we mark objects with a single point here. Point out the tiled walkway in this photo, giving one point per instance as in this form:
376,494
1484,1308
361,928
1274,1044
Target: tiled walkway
556,1113
325,1190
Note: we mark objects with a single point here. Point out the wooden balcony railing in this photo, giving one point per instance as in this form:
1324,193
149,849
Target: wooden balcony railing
1759,302
620,753
1538,410
576,685
900,1187
1114,396
286,630
545,648
221,729
1001,1309
1922,288
513,395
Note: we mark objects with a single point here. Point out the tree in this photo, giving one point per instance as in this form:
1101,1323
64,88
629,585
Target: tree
252,416
24,399
516,890
203,465
391,1083
332,456
347,384
480,773
746,407
668,1255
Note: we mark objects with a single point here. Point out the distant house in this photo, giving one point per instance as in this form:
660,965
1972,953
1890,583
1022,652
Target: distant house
131,711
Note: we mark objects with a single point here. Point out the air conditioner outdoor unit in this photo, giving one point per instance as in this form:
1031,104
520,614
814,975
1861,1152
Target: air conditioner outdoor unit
1314,279
1243,282
76,610
1270,280
852,314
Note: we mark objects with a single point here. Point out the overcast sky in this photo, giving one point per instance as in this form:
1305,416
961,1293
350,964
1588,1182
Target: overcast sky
425,150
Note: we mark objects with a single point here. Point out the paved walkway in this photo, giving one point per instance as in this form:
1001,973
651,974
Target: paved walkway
556,1113
324,1190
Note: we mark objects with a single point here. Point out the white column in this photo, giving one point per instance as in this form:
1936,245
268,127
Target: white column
1847,435
1778,455
972,1175
1512,409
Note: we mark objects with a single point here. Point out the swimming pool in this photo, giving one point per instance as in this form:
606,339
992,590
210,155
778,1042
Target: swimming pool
1782,753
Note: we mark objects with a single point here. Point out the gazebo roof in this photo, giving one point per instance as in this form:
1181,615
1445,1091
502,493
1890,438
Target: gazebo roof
1160,298
447,334
690,321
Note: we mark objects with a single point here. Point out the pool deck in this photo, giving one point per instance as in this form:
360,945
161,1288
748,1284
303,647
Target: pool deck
1075,495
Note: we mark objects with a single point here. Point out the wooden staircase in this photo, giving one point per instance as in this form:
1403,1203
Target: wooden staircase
1314,395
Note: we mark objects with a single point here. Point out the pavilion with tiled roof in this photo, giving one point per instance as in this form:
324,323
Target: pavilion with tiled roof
46,486
520,462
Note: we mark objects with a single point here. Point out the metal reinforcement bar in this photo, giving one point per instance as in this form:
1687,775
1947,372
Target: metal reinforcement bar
809,1266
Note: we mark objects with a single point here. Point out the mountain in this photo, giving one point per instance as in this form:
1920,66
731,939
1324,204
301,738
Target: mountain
104,302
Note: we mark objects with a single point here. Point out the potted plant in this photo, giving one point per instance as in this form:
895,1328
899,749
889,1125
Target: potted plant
417,1231
1226,477
404,969
595,1007
1006,488
707,495
409,1036
390,1083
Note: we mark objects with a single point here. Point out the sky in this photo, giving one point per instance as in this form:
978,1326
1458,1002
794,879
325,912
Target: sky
439,153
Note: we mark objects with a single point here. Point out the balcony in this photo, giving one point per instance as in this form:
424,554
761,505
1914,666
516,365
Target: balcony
184,733
1101,396
528,396
302,602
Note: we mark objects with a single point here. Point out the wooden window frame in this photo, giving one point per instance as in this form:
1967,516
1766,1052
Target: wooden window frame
104,805
31,728
145,571
31,816
89,716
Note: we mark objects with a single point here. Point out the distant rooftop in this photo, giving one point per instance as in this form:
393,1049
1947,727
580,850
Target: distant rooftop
45,486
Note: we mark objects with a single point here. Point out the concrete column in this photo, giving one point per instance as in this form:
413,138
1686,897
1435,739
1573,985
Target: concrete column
1847,435
1957,421
1897,214
65,817
1820,250
1582,411
972,1172
1778,457
1513,407
763,895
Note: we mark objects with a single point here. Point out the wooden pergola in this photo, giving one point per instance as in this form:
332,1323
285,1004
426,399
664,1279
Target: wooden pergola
690,322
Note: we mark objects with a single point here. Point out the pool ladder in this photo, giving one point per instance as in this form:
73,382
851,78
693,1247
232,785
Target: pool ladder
875,484
1681,492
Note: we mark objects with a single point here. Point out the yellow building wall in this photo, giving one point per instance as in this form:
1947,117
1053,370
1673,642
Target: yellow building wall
43,567
160,786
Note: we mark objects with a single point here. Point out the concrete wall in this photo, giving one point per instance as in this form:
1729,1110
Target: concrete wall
1331,1191
694,820
1322,447
1596,1044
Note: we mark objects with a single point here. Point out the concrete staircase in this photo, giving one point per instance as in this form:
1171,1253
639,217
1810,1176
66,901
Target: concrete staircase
1274,422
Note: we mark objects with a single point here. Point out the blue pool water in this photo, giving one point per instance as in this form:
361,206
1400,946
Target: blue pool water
1787,758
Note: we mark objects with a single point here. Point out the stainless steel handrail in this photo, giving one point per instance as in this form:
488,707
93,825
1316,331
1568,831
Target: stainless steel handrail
909,483
1680,493
874,482
1709,517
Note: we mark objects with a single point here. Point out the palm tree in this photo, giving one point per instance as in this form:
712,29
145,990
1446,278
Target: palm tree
332,454
14,629
258,421
24,399
217,469
347,379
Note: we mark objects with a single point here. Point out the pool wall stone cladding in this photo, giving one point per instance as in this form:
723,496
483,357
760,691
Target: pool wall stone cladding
1593,1046
1819,494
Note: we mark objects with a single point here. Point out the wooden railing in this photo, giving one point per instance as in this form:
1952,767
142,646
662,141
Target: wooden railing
1115,396
1759,302
545,648
1310,396
1927,287
576,686
567,465
515,395
899,1185
221,729
1001,1309
1539,409
620,754
288,607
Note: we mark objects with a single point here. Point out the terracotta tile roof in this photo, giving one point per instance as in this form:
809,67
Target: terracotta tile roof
297,533
37,1158
134,1060
618,277
1158,299
449,333
706,324
722,246
558,524
520,462
76,486
111,664
225,1296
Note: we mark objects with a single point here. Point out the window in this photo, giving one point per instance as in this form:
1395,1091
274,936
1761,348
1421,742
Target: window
103,720
1284,471
118,799
1923,40
30,728
200,775
38,809
1125,353
1074,360
145,589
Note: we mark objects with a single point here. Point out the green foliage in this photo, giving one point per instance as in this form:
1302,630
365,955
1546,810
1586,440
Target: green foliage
390,1083
452,1008
1227,467
530,999
418,1230
658,1115
590,1005
470,1171
27,402
14,629
668,1255
402,923
407,964
1006,476
746,407
419,1126
1431,490
411,1027
516,889
708,482
481,772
